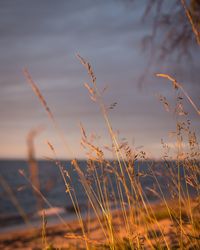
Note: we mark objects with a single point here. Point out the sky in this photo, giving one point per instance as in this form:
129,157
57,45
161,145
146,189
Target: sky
45,37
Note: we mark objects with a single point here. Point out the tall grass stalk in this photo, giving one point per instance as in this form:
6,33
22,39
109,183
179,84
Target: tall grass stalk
119,179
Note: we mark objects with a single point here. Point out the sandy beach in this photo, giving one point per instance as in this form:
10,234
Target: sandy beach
60,236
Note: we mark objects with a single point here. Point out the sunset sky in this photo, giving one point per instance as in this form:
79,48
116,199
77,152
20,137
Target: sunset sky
45,36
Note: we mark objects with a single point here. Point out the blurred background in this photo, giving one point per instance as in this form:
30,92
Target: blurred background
126,42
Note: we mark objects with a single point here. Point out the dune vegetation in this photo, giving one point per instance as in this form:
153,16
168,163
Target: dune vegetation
120,214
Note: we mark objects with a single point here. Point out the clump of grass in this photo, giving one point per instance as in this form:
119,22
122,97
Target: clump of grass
124,214
119,208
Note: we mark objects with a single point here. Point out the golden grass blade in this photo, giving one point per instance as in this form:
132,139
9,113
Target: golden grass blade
44,199
14,200
48,110
179,86
194,29
38,93
44,227
79,237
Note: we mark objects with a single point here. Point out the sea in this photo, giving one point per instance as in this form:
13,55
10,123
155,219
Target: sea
19,199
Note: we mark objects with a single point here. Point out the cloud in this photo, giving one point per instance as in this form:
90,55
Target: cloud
45,36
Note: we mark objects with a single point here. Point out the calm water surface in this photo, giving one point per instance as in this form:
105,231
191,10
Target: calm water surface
16,187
